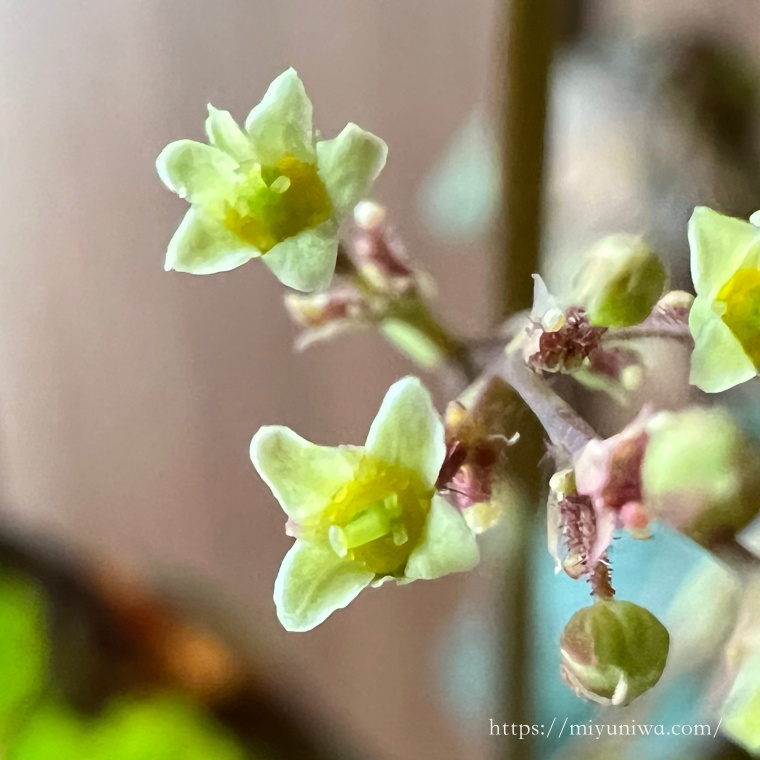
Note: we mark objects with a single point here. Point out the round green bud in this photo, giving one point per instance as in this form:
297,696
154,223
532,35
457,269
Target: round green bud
701,473
613,652
620,281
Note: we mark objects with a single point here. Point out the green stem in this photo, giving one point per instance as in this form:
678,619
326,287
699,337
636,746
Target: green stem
564,426
413,312
410,310
527,41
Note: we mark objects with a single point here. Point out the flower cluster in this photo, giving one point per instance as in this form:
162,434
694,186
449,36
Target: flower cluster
408,504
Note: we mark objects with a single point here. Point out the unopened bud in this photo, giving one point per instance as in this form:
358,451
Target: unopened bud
701,473
620,281
369,215
613,652
319,309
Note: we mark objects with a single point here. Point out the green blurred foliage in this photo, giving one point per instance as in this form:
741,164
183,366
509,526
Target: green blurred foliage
23,649
163,727
36,724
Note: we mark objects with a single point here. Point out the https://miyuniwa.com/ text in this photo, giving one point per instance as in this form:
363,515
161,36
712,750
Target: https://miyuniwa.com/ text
559,728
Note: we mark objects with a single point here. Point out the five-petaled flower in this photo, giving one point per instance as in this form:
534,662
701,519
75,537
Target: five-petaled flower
362,515
270,190
725,317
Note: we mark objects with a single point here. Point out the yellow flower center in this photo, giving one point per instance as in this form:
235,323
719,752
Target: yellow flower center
273,203
741,299
379,517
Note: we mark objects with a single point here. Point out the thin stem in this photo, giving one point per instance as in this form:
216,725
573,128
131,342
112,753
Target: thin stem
416,313
411,309
564,426
601,581
677,332
527,36
737,557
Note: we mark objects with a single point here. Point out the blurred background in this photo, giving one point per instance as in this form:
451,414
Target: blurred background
138,547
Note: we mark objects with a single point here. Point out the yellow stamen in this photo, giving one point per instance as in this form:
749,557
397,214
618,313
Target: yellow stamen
740,297
378,518
274,203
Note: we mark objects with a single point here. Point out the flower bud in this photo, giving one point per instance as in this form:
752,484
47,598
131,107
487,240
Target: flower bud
620,281
613,652
700,473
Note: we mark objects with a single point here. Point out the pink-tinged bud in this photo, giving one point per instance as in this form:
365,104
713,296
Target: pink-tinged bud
375,252
476,445
369,215
565,348
609,472
319,309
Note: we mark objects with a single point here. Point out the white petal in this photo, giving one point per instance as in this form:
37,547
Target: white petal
306,261
224,133
349,164
719,246
313,582
196,171
408,431
448,545
718,361
281,124
303,477
201,245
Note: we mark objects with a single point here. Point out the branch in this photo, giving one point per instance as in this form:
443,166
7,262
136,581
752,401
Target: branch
564,426
671,331
736,557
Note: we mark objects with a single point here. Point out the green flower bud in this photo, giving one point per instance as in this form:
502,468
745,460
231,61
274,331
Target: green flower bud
613,652
700,473
620,281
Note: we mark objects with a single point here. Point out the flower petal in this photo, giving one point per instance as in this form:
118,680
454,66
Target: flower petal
349,164
201,245
718,361
719,246
306,261
303,477
281,124
408,431
448,545
196,171
224,133
313,582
